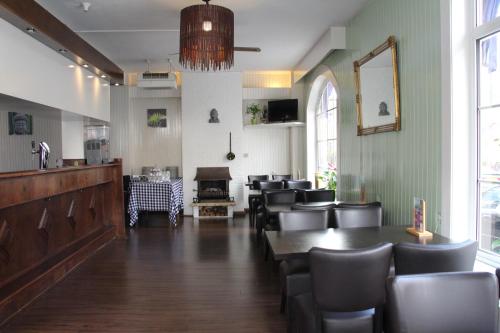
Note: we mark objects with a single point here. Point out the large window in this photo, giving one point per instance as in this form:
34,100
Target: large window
487,37
326,129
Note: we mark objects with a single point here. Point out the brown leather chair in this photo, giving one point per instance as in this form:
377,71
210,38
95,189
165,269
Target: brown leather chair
410,258
442,303
282,177
348,291
298,184
252,198
294,273
319,195
357,217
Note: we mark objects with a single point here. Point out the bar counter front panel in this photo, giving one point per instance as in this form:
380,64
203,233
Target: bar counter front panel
51,221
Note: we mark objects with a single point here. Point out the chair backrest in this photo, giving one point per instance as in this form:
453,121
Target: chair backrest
174,171
298,184
268,185
442,303
251,178
497,273
357,217
146,170
126,183
352,280
303,220
319,195
282,177
412,258
328,208
347,204
279,197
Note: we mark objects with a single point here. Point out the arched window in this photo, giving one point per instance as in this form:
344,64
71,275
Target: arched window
326,129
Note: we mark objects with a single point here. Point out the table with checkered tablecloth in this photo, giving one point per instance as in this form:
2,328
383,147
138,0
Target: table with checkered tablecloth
155,197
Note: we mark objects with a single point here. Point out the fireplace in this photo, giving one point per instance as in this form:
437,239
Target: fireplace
213,184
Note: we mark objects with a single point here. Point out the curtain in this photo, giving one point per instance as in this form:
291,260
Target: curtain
489,46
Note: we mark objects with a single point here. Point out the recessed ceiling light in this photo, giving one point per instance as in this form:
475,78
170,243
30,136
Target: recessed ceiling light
63,50
31,30
85,66
71,66
103,76
90,76
105,84
117,84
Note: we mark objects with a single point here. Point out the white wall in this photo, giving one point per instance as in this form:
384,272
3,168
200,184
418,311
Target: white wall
72,136
205,144
136,143
34,72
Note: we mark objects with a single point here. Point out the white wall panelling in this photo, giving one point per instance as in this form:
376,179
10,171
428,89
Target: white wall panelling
34,72
205,144
135,142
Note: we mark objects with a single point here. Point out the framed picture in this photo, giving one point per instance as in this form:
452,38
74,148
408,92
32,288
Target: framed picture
157,118
20,124
377,90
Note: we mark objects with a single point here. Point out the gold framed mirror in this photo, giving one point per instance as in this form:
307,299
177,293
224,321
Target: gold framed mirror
377,90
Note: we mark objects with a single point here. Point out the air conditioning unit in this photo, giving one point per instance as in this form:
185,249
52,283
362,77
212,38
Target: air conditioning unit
150,80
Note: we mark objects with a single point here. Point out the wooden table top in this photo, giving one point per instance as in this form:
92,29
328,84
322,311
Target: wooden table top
285,244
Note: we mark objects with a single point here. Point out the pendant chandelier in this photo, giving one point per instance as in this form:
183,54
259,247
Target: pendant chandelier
206,37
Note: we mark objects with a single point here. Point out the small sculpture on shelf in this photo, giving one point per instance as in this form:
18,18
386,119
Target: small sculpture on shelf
253,110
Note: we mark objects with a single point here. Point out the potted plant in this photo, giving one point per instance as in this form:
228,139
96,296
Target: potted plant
329,178
254,110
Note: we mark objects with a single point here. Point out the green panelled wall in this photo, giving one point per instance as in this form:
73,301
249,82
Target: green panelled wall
397,166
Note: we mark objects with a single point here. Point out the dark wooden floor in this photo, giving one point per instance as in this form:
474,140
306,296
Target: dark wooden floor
199,277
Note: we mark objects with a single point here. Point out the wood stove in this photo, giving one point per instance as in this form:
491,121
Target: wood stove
213,184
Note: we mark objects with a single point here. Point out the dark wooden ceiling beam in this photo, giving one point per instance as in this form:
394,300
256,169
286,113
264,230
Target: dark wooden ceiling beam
57,35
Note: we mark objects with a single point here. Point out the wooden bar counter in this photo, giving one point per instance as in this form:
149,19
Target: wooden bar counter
50,222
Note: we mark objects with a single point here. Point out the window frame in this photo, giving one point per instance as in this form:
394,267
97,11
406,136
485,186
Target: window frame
479,33
319,111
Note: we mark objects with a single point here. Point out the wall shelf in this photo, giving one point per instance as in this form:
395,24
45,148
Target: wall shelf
277,125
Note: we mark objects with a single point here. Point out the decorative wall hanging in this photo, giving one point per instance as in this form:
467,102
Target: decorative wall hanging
20,124
157,117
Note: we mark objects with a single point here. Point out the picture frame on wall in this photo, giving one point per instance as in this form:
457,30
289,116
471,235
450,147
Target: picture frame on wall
157,118
20,123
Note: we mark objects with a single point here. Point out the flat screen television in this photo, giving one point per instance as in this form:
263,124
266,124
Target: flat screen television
283,110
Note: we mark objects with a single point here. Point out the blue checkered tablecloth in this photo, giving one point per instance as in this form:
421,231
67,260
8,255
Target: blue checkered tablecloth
150,196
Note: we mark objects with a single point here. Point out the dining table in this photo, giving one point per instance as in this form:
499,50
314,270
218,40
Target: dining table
288,244
156,196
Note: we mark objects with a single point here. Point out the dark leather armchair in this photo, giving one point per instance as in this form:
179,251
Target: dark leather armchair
253,198
298,184
348,291
319,195
126,198
357,217
282,177
412,258
319,206
347,204
294,273
268,185
443,303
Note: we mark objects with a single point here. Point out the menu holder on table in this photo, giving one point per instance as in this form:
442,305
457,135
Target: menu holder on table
419,224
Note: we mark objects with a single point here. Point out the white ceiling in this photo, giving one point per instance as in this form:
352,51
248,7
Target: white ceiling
130,31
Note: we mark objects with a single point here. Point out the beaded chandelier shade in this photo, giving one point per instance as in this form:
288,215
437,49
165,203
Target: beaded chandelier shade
206,37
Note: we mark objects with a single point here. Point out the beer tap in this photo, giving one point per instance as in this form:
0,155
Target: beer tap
43,154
